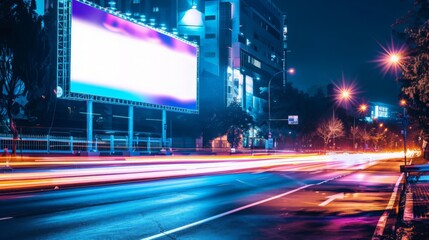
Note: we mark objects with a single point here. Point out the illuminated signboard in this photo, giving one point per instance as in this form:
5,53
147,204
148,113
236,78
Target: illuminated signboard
115,58
292,119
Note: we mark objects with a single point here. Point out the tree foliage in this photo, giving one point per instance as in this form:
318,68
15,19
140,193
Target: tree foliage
232,121
24,60
291,101
414,29
323,132
237,121
331,128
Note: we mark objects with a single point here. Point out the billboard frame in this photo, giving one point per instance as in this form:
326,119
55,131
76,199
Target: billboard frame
64,11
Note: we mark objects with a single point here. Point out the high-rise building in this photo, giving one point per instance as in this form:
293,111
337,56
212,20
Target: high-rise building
242,44
243,47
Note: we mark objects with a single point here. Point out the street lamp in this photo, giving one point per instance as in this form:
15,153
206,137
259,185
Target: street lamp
362,110
395,59
344,95
269,101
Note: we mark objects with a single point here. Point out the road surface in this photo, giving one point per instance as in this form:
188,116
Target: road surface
339,197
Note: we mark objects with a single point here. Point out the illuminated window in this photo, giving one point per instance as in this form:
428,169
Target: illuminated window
155,9
383,112
257,63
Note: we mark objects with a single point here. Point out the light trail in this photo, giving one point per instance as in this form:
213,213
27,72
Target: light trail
148,168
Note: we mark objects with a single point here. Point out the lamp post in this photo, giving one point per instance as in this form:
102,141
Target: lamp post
403,103
290,71
394,59
269,100
344,94
362,109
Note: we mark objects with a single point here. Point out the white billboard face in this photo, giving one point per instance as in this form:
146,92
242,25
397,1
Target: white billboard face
115,58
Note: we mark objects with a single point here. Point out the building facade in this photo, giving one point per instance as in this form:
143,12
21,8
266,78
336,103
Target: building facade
243,48
242,44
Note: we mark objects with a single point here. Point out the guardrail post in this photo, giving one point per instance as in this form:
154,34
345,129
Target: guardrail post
112,144
71,144
148,144
48,143
137,144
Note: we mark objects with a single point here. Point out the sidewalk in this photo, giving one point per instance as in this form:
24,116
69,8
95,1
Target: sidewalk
416,207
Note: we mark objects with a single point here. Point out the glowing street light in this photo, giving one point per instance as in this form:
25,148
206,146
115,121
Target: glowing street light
394,58
363,108
344,95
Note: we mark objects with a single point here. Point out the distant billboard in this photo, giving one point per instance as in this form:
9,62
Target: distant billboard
114,58
292,119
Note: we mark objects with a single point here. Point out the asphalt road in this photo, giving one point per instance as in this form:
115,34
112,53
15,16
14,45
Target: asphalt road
337,199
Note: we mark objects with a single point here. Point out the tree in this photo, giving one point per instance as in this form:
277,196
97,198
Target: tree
237,121
336,127
414,30
232,120
323,132
331,128
291,101
377,136
23,59
354,130
365,137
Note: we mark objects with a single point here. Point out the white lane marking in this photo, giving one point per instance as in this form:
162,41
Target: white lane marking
379,229
332,198
166,233
5,218
163,234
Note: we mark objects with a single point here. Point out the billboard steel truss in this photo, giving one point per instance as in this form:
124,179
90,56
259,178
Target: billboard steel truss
64,35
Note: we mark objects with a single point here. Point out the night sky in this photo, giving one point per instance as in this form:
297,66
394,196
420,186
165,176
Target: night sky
329,39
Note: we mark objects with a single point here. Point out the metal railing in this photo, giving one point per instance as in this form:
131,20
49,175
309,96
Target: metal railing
68,144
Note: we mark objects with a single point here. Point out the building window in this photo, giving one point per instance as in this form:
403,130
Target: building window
210,17
155,9
210,35
256,63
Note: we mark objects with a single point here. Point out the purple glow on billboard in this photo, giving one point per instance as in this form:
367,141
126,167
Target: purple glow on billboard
112,57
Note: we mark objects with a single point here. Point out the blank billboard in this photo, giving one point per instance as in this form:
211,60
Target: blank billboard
115,58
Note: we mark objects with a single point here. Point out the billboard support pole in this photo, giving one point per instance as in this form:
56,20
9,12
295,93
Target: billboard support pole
130,127
89,127
164,127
